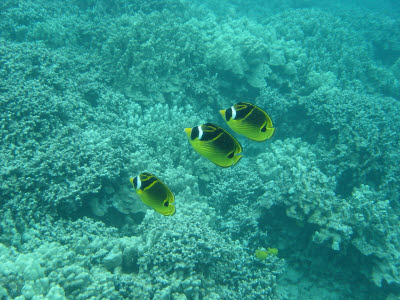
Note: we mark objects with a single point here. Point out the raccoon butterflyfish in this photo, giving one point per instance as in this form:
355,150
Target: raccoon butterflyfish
249,120
154,193
262,254
215,144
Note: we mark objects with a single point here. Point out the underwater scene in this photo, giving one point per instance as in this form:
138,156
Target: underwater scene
209,149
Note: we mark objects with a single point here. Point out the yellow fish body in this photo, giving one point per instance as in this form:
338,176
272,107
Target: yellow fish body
215,144
249,120
262,254
154,193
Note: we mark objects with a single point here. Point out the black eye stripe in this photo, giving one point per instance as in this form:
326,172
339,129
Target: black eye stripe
228,113
195,133
135,182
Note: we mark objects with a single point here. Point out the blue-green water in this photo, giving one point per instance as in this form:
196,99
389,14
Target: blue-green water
95,92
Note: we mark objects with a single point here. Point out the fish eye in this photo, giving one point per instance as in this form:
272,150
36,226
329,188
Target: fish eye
264,128
231,155
166,203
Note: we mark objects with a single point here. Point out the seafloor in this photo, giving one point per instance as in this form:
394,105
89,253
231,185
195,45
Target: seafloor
93,92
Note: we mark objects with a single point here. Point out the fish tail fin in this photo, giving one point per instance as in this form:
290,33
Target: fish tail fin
171,210
166,211
270,132
236,158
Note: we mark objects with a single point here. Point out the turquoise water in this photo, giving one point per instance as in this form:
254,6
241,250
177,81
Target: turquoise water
95,92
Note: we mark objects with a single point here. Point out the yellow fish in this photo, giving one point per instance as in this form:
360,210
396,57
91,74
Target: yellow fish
215,144
249,120
154,193
262,254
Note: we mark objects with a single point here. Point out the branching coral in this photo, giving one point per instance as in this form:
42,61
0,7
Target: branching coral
193,250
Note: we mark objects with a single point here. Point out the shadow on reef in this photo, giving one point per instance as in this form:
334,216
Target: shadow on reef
113,217
297,123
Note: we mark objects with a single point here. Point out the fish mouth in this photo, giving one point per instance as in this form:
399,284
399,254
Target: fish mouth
222,112
188,131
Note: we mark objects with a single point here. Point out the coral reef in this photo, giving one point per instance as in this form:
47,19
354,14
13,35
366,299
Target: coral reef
93,92
181,257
